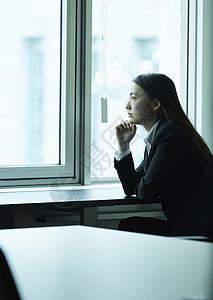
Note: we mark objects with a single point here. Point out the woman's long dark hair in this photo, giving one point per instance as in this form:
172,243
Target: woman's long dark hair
162,87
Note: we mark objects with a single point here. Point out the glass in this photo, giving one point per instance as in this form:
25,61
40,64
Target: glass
30,77
130,37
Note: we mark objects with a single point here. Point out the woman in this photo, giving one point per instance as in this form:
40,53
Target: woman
175,169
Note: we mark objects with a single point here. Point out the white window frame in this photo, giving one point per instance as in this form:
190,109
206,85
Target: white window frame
200,67
74,106
74,167
204,74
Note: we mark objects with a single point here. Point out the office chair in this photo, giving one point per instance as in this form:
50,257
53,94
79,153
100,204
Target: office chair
8,290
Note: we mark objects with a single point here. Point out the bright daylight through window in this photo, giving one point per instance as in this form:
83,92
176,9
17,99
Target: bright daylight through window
129,38
30,82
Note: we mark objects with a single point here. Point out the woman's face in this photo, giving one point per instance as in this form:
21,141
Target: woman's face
139,107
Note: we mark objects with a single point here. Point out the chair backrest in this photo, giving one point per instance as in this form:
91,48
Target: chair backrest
8,290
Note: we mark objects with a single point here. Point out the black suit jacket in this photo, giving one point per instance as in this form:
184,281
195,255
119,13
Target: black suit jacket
168,175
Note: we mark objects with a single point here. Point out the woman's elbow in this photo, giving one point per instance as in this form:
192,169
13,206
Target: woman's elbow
128,191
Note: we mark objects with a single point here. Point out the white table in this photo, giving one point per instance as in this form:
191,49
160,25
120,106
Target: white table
85,263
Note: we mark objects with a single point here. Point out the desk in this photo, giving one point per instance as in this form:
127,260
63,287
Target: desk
86,263
83,200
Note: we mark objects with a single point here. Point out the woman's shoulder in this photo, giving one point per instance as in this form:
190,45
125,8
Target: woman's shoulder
168,129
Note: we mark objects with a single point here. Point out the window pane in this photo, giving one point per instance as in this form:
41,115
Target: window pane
129,38
29,76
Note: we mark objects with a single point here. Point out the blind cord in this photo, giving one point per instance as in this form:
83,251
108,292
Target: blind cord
104,113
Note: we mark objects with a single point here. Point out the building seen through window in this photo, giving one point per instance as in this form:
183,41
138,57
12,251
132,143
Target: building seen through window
30,82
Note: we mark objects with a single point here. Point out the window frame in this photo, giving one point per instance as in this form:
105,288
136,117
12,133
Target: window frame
75,119
204,71
74,109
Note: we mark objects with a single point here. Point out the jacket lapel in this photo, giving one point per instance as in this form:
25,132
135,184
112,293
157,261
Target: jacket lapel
146,160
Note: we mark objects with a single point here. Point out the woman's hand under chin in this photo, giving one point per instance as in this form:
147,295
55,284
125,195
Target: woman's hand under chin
125,131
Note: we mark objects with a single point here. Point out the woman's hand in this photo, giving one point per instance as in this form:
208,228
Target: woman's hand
125,131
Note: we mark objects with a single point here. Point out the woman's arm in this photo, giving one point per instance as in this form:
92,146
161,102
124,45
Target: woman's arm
169,159
127,174
166,163
125,132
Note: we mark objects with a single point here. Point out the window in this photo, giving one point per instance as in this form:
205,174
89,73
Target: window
61,60
37,94
129,38
30,73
